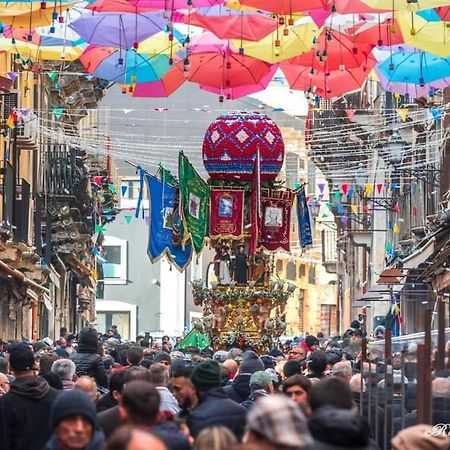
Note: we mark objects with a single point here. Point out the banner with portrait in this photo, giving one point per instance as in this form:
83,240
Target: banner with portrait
274,225
226,214
160,237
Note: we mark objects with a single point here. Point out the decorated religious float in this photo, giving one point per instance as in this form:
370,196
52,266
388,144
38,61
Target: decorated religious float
244,214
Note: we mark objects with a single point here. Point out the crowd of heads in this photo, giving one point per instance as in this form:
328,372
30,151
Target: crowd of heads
104,394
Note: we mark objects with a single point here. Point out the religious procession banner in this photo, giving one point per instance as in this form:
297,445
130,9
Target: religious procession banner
255,205
304,221
194,204
273,232
226,214
160,242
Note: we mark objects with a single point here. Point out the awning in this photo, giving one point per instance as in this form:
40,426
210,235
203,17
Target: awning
380,292
21,277
420,255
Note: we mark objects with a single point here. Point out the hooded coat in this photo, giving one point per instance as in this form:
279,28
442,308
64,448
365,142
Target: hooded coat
24,414
87,360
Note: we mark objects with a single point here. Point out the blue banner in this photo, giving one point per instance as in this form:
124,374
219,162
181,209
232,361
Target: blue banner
160,242
304,222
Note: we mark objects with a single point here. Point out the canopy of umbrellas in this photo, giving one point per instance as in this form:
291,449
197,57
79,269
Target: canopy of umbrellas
234,48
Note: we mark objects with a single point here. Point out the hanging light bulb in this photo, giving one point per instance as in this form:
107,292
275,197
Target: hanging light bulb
228,96
329,36
1,28
13,41
421,82
189,4
54,15
130,89
29,37
228,65
290,21
391,66
277,43
286,32
324,55
63,55
135,45
380,42
124,89
61,19
412,31
170,25
170,37
314,41
281,20
241,50
171,61
342,67
227,83
311,72
133,79
120,61
52,29
221,99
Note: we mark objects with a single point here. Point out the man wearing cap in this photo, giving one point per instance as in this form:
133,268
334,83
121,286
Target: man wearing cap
275,422
74,424
214,407
261,386
310,343
25,409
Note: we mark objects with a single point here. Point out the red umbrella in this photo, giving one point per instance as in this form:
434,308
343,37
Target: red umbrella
382,34
444,12
285,6
333,50
248,27
93,55
222,70
327,84
354,7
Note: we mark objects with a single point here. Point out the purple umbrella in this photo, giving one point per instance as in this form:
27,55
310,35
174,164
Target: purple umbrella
120,30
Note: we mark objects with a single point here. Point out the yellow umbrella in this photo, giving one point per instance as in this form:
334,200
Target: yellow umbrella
159,44
24,14
405,5
431,37
278,46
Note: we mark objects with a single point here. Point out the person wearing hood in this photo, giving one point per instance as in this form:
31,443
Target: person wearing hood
74,423
239,389
25,409
87,360
214,408
310,344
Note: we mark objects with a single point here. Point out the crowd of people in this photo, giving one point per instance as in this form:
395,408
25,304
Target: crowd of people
94,392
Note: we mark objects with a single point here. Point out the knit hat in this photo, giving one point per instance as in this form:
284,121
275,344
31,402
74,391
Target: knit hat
206,375
161,356
21,357
220,356
268,361
420,437
72,403
311,340
279,420
292,367
260,380
251,363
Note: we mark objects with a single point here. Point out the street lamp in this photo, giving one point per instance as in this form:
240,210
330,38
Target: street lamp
396,146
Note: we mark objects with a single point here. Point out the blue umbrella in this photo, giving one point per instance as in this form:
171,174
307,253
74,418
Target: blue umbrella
415,67
130,67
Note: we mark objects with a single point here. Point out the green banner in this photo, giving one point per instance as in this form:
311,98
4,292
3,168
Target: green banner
166,176
194,198
195,339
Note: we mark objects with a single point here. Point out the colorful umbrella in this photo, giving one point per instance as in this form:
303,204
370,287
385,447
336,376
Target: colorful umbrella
354,7
432,37
285,7
444,12
164,87
209,42
224,70
118,30
382,34
416,68
249,27
233,93
278,46
406,5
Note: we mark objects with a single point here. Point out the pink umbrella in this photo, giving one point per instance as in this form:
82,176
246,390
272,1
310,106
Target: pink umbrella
242,91
354,7
209,42
164,87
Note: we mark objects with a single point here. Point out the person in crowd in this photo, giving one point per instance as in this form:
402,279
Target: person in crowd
276,423
162,358
70,339
25,409
260,386
317,364
63,333
297,388
184,391
292,367
74,423
214,407
135,355
128,437
60,350
46,362
215,438
89,386
5,384
239,389
420,437
354,346
297,353
330,391
310,344
115,333
140,406
166,344
159,376
111,399
65,369
86,358
343,370
232,366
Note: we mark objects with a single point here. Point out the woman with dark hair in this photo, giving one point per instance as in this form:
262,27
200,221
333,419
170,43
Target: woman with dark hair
86,358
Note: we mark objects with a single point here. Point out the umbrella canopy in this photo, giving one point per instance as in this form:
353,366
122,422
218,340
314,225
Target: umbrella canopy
385,33
285,6
233,93
444,12
164,87
416,68
432,37
332,51
209,42
121,30
139,6
407,5
125,67
223,70
249,27
327,84
354,7
278,47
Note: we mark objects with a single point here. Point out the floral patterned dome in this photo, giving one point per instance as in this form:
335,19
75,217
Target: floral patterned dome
231,144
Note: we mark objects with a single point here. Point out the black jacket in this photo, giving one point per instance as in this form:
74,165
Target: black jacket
217,409
110,420
172,437
239,390
107,401
87,360
24,414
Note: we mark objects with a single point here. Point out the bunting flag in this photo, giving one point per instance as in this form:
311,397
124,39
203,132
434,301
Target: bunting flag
13,76
226,214
58,112
344,188
436,113
160,236
393,316
124,189
304,221
274,225
350,194
12,119
396,229
379,187
354,209
321,187
128,219
194,204
112,188
99,228
344,220
402,113
396,208
255,205
350,113
368,189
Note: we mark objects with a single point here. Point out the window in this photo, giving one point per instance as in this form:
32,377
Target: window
115,254
328,318
196,269
301,271
279,266
130,189
120,318
312,275
291,271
